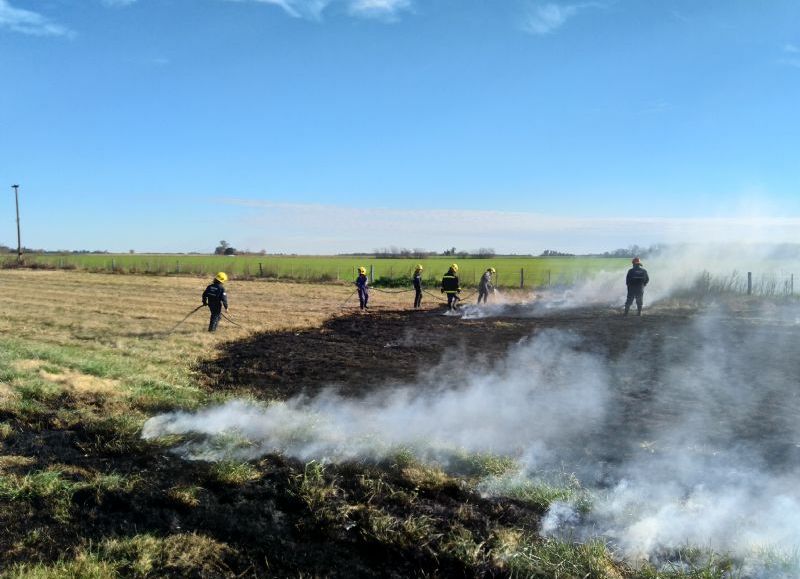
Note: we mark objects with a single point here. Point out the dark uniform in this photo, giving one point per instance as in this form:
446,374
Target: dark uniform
362,284
215,297
417,281
636,279
485,286
451,287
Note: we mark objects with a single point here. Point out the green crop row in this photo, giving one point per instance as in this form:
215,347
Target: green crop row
511,271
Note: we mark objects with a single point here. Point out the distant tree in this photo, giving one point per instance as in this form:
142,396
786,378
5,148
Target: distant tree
554,253
229,251
221,248
485,252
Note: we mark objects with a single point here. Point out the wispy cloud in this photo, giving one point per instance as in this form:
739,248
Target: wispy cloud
314,9
791,48
29,22
543,19
314,228
117,3
386,9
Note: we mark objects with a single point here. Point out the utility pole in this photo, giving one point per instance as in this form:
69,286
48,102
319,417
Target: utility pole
19,239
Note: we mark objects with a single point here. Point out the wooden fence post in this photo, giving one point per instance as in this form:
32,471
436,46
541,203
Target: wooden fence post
749,283
521,278
371,273
260,269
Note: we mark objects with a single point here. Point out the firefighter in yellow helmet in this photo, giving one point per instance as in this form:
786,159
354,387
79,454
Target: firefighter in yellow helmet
362,285
485,285
215,297
451,286
417,281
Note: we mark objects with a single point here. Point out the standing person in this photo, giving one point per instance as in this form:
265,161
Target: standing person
485,285
417,281
362,284
451,287
636,279
215,297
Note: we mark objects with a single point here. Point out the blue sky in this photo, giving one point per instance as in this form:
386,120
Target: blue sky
319,126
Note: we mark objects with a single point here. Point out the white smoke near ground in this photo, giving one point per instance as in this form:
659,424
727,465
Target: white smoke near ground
489,411
677,270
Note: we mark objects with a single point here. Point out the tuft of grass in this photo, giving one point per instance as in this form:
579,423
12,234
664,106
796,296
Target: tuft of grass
524,555
482,464
183,554
82,567
317,493
540,494
460,544
47,487
234,473
188,496
6,431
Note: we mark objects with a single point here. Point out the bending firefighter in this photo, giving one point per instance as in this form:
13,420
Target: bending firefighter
485,286
417,281
215,297
362,285
451,286
636,279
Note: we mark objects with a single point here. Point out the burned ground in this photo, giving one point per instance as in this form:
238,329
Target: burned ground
76,478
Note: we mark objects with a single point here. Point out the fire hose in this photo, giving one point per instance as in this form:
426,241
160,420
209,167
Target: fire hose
175,327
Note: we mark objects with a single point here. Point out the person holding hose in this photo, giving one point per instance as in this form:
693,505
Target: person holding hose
215,298
362,285
451,287
485,286
636,279
417,281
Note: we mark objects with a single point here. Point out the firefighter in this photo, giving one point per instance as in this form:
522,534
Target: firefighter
451,287
417,281
215,297
485,286
636,279
362,284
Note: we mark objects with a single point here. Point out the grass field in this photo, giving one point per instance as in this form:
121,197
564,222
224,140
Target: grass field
86,358
511,271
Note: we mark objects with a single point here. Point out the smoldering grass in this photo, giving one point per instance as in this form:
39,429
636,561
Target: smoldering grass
461,544
481,465
541,492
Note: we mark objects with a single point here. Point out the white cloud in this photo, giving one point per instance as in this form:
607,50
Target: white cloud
543,19
378,8
314,9
791,48
28,22
334,229
118,2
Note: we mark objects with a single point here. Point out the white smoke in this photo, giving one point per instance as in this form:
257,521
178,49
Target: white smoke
523,404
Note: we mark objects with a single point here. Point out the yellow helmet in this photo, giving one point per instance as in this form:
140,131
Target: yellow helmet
362,270
221,277
454,267
419,267
491,269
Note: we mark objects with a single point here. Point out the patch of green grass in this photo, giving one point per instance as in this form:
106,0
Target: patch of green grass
539,493
82,567
461,544
153,395
482,465
234,473
6,431
523,554
47,487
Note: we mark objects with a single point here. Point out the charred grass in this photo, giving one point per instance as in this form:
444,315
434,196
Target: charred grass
82,495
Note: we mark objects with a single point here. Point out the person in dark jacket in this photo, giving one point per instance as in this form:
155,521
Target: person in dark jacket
485,285
636,279
215,298
451,287
417,281
362,285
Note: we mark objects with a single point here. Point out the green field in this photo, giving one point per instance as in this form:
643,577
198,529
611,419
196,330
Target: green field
511,271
